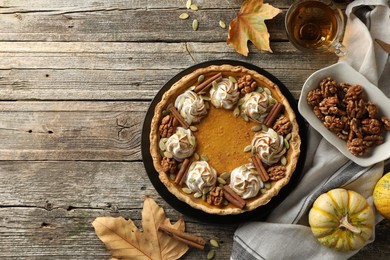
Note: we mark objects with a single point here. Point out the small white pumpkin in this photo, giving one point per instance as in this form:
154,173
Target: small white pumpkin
342,219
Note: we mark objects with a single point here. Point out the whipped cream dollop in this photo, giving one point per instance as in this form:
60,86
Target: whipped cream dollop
181,144
257,105
201,177
245,181
269,146
191,107
225,95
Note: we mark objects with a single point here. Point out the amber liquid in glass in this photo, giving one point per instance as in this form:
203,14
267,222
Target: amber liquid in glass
313,25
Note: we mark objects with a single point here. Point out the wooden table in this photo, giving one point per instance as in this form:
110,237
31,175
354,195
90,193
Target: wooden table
76,81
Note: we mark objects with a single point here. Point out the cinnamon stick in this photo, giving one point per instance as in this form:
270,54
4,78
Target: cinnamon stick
260,168
233,197
183,169
208,83
187,238
179,118
273,114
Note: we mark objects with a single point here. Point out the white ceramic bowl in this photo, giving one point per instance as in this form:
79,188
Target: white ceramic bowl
342,72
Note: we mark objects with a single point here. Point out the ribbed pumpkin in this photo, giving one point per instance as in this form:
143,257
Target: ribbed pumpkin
341,219
382,195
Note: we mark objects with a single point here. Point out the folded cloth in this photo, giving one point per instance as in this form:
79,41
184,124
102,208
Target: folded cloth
286,234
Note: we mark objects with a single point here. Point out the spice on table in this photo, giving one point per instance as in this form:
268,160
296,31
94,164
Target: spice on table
187,238
208,83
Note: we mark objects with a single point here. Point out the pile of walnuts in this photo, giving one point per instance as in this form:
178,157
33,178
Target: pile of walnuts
344,110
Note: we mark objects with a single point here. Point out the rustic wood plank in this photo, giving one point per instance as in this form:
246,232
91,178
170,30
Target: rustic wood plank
122,20
24,6
74,184
129,71
71,130
36,233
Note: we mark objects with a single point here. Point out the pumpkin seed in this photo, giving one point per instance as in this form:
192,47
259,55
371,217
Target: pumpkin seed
288,136
254,149
260,90
216,103
272,101
194,7
184,16
204,157
198,195
215,85
267,185
164,139
232,79
286,144
211,254
241,101
236,112
193,128
283,160
207,105
245,117
192,140
195,25
186,190
168,154
225,175
267,91
272,133
188,4
165,112
264,128
214,243
192,88
172,176
248,148
196,156
191,180
222,24
169,107
263,191
192,166
221,181
256,128
162,146
200,78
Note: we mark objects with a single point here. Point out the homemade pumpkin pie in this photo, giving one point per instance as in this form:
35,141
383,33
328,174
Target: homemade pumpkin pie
224,139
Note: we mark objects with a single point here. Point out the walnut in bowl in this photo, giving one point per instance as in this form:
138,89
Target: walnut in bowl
349,111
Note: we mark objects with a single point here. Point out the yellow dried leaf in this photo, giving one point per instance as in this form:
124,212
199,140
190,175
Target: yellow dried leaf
124,240
249,26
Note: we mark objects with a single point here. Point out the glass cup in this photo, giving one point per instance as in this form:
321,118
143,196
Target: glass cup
315,25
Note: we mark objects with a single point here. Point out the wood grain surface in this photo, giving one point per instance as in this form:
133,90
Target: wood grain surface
76,80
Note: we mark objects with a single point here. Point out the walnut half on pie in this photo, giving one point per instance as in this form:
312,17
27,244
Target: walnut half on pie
224,128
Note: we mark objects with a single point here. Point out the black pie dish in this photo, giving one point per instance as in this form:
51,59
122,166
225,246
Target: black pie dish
259,213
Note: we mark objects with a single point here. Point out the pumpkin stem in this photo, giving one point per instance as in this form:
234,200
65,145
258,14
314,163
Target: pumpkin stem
345,224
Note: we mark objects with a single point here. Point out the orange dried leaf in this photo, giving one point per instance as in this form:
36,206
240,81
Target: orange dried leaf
249,26
124,240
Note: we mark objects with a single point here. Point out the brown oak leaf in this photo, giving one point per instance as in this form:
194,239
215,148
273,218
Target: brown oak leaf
249,26
125,241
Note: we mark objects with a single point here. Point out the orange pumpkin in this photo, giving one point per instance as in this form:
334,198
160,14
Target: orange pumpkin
382,195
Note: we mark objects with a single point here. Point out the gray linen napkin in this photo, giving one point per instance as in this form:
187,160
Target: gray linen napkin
286,233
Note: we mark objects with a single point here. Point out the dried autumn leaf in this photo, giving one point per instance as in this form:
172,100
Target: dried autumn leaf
124,240
249,26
